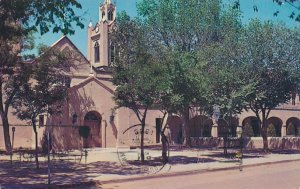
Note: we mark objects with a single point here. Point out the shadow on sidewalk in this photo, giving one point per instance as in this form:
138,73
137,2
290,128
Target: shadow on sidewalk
62,172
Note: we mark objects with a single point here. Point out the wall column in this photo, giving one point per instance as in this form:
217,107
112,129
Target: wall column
283,130
103,133
214,130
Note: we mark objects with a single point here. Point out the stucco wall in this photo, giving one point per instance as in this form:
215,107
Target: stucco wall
287,143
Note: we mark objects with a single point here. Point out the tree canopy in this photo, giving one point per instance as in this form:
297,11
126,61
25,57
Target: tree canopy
18,19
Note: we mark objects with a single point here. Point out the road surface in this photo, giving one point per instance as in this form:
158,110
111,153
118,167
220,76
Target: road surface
276,176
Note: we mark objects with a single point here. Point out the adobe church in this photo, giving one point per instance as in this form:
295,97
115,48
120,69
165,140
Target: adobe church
90,103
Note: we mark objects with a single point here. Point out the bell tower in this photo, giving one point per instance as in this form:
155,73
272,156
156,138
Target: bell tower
99,46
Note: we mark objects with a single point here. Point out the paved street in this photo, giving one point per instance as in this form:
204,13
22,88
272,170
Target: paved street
277,176
105,166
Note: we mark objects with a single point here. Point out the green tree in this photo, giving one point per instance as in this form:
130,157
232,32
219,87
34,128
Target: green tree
18,18
271,52
139,79
293,4
43,91
229,84
182,27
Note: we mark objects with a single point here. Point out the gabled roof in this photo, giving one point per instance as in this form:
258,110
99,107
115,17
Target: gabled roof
90,79
63,38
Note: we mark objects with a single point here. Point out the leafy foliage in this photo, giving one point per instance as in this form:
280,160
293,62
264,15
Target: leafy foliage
44,86
248,130
184,25
35,15
140,80
18,19
270,52
294,4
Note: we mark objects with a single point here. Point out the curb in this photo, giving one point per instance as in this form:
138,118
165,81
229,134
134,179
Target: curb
166,175
146,177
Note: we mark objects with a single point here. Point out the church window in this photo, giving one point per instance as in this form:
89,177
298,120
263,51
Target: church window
97,52
103,14
112,53
110,15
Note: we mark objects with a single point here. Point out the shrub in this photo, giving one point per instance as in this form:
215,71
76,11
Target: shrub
271,131
248,130
290,130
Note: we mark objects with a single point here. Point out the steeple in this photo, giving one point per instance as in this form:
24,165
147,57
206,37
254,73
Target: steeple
100,51
107,11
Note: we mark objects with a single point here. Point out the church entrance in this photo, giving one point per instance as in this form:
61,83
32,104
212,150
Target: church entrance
93,121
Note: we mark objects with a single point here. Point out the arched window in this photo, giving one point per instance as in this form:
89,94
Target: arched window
103,14
110,15
112,52
97,52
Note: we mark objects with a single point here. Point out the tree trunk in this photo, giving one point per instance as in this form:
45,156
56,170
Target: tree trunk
164,139
264,134
265,138
6,134
142,143
36,150
5,124
36,144
225,142
185,125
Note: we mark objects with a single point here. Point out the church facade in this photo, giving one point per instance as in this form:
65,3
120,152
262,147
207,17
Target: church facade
90,103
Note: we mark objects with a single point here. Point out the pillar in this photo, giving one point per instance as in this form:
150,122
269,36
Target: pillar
214,130
283,130
103,133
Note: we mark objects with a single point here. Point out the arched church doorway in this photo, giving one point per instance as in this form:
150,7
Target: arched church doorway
93,121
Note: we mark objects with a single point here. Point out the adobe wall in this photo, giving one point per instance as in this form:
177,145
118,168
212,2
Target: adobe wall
287,143
23,135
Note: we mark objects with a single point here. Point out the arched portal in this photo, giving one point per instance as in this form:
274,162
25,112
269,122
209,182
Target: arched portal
276,124
227,127
175,127
200,126
93,121
292,125
251,126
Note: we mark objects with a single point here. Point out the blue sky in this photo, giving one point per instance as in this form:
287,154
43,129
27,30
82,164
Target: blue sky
89,11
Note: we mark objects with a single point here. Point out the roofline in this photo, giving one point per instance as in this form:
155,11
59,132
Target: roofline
92,78
64,36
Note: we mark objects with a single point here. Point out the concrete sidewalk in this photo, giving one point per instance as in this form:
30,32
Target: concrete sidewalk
119,165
